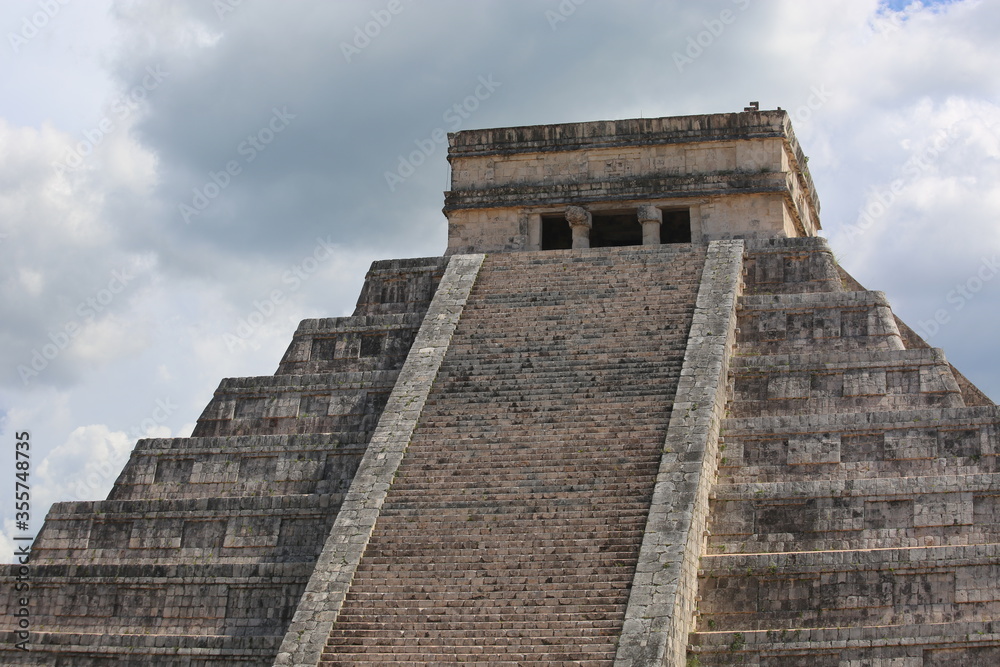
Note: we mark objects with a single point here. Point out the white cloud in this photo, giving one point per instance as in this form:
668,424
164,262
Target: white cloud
84,467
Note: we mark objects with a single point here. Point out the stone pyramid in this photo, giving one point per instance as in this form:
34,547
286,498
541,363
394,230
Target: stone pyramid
636,415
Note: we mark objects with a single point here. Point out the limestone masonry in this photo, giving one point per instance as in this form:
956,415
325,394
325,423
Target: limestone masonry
636,415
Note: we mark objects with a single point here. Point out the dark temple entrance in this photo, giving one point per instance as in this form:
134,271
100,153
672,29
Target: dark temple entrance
615,229
676,227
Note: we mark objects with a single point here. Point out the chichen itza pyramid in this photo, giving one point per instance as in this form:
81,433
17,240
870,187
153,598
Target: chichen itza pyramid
635,415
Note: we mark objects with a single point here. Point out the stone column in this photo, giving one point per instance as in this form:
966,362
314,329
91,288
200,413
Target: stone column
651,218
580,221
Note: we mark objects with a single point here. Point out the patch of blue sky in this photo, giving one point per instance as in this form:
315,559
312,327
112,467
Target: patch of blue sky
899,5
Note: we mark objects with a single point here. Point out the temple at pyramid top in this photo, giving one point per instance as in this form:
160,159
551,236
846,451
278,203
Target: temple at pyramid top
629,182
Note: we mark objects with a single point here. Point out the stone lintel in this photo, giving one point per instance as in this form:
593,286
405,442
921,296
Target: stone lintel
631,132
654,187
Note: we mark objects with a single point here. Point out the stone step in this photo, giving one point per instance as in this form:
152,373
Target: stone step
254,529
583,363
430,641
521,493
518,423
547,656
475,422
617,519
828,515
482,658
474,530
517,483
816,322
609,296
602,256
576,354
431,637
352,344
566,614
481,581
790,266
239,466
554,466
520,505
371,595
878,587
293,404
575,395
433,642
631,457
461,548
475,518
558,443
517,285
861,445
974,644
522,489
590,409
835,382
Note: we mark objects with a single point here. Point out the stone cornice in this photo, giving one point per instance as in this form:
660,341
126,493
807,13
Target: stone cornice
650,187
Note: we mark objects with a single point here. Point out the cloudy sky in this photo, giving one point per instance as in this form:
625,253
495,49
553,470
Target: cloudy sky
182,181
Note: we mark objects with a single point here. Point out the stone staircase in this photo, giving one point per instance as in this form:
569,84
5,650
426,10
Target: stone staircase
511,530
201,552
855,519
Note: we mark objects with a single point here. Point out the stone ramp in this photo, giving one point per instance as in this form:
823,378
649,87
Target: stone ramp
511,531
855,521
201,552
